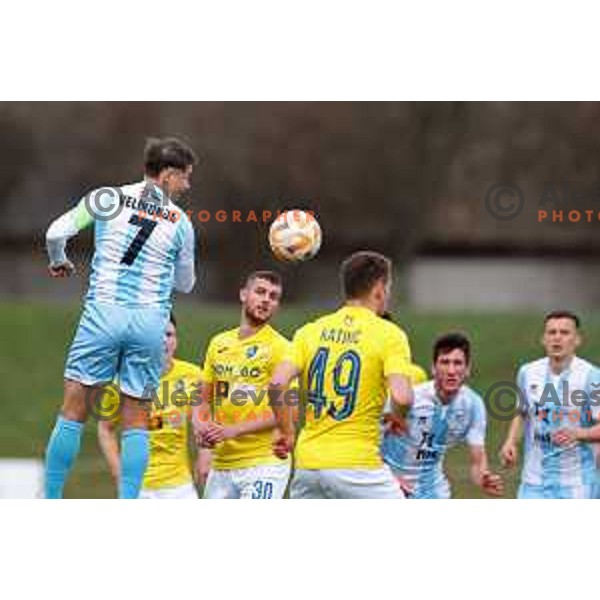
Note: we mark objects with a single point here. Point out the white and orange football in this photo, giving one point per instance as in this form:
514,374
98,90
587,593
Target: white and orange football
294,236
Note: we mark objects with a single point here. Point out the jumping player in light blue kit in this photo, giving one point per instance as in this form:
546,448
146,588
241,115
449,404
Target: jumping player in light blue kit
445,412
144,247
559,404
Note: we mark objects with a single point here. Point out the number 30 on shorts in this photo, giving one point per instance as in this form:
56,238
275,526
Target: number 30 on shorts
263,490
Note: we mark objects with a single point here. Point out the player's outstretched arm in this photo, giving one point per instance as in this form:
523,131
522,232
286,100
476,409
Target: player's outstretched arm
509,452
489,482
203,465
401,395
203,456
566,436
283,410
185,271
396,360
60,231
202,415
109,445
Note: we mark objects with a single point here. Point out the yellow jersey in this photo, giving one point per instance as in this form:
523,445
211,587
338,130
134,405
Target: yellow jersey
240,371
416,374
169,463
344,359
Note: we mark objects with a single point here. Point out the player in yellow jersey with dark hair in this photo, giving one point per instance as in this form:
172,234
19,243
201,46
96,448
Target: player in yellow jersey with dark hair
238,367
168,474
347,361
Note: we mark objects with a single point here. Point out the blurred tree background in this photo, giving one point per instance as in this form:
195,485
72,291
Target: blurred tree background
394,176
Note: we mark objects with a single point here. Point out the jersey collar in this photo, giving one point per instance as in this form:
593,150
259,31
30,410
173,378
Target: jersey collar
153,193
256,335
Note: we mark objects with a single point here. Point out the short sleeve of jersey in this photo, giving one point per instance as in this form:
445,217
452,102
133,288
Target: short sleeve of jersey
284,352
416,374
207,369
193,373
296,351
476,433
396,352
281,351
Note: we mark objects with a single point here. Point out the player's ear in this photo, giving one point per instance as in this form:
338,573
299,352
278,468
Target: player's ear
378,291
243,294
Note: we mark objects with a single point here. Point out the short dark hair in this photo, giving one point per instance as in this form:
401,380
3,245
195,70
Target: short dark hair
172,319
452,341
271,276
563,314
361,271
160,154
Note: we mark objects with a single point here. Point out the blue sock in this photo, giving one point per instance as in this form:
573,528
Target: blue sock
61,452
135,451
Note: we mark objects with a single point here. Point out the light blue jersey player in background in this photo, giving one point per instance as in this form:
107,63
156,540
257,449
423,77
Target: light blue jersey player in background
559,404
144,247
445,412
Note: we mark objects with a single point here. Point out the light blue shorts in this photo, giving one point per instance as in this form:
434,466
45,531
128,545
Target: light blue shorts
114,343
556,492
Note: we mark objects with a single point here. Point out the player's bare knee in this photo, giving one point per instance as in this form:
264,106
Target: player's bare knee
135,413
74,406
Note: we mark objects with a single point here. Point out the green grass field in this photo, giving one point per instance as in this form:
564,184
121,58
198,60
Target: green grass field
35,338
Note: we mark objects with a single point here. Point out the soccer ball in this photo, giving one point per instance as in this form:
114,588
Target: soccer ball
294,236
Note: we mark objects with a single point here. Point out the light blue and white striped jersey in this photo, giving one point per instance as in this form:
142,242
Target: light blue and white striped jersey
143,245
550,402
433,427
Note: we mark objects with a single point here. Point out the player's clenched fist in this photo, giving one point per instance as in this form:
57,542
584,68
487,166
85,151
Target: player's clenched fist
213,434
282,445
405,485
395,425
564,437
64,269
201,439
